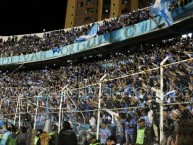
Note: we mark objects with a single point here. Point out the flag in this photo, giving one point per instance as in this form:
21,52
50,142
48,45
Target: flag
167,18
56,49
90,34
160,7
93,30
157,4
168,95
171,93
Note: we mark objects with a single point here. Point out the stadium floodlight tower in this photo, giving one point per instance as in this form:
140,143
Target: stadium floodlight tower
99,104
160,95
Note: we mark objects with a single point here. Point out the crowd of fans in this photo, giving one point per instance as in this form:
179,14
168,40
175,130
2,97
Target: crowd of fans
129,101
32,43
118,95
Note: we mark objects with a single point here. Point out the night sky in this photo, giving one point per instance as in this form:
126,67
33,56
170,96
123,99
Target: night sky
22,17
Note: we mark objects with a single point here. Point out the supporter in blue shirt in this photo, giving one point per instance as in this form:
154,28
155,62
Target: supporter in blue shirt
104,133
130,129
5,134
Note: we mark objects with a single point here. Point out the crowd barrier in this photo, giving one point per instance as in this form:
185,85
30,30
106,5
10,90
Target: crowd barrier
163,81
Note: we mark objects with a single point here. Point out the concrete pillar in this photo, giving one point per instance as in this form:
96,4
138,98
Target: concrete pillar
115,8
70,20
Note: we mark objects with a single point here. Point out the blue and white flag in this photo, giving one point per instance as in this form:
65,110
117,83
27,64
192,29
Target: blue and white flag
167,17
157,4
168,95
171,93
160,7
90,34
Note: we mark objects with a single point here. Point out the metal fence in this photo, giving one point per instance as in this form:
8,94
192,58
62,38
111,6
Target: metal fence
177,98
154,94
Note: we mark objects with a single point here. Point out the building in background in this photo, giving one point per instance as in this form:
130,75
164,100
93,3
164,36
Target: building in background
80,12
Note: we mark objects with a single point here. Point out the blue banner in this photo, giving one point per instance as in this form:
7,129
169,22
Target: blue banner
135,30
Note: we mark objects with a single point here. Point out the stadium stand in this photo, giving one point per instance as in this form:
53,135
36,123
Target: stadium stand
127,93
33,43
120,93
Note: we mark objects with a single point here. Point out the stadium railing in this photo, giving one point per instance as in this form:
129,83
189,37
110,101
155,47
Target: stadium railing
151,90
